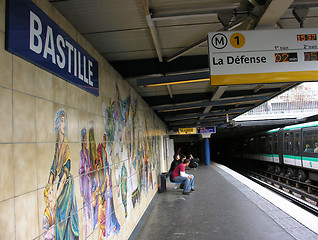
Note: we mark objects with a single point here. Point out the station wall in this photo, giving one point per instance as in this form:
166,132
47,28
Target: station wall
73,163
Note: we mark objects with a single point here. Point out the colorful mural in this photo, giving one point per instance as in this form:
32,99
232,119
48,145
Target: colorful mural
115,172
61,207
92,161
85,177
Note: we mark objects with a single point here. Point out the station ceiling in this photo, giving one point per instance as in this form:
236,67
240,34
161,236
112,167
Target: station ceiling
160,48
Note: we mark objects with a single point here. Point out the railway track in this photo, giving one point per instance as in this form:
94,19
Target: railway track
302,194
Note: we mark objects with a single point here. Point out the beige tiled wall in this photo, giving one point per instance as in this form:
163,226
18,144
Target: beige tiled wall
29,99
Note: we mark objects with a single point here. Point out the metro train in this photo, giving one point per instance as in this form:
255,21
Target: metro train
291,150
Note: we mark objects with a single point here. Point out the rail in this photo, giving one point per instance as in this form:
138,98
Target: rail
302,194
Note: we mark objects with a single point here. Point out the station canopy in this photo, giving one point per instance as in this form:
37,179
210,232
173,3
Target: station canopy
160,47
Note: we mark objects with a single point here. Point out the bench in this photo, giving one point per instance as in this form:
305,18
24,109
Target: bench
173,182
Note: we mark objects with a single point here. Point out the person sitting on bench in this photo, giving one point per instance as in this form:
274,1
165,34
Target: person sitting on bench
193,161
179,175
176,161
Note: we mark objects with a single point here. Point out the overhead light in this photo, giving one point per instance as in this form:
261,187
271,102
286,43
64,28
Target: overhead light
179,82
174,79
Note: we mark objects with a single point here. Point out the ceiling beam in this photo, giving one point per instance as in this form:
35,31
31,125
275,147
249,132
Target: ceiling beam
205,121
258,87
174,17
173,79
177,98
170,91
212,114
152,29
214,103
217,95
149,67
274,11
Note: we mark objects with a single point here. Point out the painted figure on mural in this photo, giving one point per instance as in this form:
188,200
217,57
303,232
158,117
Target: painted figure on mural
92,146
85,177
64,202
49,216
123,178
112,224
104,153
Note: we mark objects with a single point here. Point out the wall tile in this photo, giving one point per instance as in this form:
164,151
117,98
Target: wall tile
26,209
25,172
23,118
110,87
5,61
73,132
92,106
2,15
99,129
75,149
102,78
7,223
23,75
41,207
43,84
44,156
72,95
5,115
83,122
82,99
59,90
44,123
6,172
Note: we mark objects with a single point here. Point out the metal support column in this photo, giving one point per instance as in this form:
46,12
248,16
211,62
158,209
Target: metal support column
207,151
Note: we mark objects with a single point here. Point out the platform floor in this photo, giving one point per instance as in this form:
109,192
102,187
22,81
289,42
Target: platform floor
223,206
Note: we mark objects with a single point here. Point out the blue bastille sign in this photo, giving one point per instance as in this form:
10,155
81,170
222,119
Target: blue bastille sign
34,36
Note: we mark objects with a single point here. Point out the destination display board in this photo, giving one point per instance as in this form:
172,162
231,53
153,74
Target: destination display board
263,56
206,129
198,130
187,130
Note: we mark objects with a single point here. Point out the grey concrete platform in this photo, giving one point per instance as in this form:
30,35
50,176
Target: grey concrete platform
221,207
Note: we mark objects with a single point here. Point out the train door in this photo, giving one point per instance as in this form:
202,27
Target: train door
288,148
310,155
295,137
268,148
275,148
280,145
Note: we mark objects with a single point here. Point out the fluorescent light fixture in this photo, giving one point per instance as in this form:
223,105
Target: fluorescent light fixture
174,79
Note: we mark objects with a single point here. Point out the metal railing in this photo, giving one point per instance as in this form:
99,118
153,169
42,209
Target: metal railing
301,100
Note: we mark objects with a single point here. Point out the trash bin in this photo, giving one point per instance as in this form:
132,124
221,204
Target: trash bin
162,183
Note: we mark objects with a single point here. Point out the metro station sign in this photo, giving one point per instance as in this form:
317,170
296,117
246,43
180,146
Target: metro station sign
32,35
187,130
206,129
263,56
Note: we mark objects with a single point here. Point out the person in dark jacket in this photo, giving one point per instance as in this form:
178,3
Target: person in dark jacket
176,161
193,162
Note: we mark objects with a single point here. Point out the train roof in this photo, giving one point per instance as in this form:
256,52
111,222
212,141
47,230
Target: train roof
295,126
273,130
302,125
